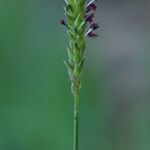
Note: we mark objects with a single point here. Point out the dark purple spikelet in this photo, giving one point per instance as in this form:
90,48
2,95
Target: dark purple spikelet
89,18
94,26
63,22
91,34
91,6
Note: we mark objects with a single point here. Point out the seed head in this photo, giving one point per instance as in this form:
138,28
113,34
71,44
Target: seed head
80,24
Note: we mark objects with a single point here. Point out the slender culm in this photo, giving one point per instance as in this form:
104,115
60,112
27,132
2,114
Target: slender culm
80,25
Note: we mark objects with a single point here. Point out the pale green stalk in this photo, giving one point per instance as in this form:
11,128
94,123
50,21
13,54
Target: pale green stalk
76,121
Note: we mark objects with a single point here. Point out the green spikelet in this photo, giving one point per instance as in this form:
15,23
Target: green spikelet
75,14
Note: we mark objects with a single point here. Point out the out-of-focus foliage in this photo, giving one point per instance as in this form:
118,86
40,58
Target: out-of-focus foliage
35,101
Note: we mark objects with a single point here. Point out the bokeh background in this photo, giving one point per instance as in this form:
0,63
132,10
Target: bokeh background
36,107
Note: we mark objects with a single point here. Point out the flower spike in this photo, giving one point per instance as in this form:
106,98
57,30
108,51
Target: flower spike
80,25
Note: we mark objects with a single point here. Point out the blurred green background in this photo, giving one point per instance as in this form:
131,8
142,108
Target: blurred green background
36,107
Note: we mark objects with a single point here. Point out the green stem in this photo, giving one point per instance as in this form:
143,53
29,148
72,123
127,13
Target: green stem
76,122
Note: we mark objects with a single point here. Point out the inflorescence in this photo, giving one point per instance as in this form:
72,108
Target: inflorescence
80,24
